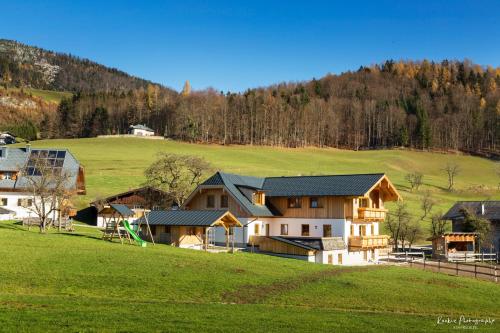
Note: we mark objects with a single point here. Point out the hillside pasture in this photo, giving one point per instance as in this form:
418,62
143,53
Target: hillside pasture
78,282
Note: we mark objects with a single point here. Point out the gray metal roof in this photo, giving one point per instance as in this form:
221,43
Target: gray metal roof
123,210
141,127
5,211
313,243
334,185
183,217
232,182
15,159
491,209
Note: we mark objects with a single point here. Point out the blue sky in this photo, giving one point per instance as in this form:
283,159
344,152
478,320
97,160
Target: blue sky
235,45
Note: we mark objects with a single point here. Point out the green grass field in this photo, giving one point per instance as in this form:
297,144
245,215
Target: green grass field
77,282
47,95
113,165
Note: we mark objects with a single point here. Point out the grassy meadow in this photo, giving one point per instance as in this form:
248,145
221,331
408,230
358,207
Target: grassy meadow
117,164
77,282
47,95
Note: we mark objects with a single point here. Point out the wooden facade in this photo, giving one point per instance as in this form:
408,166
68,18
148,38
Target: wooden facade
328,207
368,242
200,199
267,244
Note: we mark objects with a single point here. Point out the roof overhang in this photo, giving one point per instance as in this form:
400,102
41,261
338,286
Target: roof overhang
385,185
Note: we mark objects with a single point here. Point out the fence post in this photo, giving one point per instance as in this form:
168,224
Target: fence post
439,265
475,270
465,257
406,255
456,267
424,262
482,256
496,275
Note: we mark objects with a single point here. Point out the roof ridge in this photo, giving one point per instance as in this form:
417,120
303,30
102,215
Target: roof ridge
337,175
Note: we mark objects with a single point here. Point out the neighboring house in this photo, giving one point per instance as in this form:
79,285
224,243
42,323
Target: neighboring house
15,169
140,130
325,219
489,210
7,138
139,200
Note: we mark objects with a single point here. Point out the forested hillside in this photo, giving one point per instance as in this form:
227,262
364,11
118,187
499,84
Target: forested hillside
451,105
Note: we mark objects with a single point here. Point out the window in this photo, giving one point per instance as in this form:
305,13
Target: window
210,201
3,201
352,230
224,201
339,259
305,230
24,202
365,255
256,229
362,230
363,202
330,259
327,230
258,198
373,254
284,229
295,202
372,229
314,202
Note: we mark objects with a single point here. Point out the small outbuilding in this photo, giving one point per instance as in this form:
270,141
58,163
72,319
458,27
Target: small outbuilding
140,130
453,245
189,228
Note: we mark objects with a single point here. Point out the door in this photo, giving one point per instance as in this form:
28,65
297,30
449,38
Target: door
327,230
267,229
339,259
330,259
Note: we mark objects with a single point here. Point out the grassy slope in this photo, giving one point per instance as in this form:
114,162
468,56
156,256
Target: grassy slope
114,165
77,282
47,95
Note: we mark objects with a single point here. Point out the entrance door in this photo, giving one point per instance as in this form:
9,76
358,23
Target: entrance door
267,229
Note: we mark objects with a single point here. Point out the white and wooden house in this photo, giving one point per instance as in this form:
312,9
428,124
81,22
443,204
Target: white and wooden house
326,219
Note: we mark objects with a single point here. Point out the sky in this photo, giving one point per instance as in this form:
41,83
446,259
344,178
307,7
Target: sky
236,45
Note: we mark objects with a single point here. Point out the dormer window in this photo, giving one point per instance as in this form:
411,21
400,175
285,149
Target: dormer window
295,202
210,201
259,198
224,201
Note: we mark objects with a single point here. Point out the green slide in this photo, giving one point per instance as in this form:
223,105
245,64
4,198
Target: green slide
133,234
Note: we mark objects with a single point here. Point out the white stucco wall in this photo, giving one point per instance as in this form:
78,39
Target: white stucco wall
295,226
141,132
19,211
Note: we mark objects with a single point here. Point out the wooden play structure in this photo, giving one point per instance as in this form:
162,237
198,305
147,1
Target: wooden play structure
117,225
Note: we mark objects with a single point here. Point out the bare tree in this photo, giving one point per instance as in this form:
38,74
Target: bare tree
177,175
397,223
415,179
48,187
413,233
452,170
427,204
438,224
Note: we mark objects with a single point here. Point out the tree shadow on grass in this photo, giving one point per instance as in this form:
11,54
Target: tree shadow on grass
14,226
82,235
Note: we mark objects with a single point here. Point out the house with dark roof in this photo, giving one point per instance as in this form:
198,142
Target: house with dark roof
326,219
17,166
490,210
140,130
139,200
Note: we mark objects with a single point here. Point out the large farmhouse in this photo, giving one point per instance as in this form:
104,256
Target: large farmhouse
325,219
16,167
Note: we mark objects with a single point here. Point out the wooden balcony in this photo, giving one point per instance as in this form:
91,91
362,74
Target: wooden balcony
371,214
368,242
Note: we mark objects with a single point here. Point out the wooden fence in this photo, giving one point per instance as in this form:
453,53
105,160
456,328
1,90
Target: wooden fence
478,271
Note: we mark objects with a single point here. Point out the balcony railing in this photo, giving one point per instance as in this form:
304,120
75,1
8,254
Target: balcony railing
371,214
367,242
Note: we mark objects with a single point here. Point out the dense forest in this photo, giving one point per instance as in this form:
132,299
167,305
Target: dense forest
451,105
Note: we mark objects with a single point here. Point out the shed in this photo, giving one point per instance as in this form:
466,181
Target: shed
452,244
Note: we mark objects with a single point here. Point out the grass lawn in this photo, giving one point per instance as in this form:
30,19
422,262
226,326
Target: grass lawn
47,95
77,282
113,165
